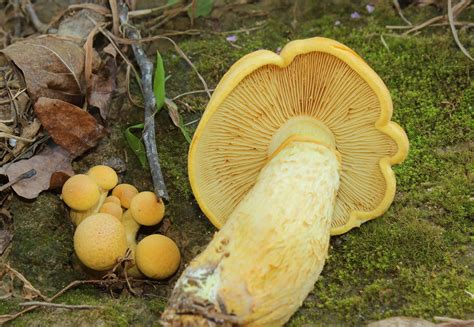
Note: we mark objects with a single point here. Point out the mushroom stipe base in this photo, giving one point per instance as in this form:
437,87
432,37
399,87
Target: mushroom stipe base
264,261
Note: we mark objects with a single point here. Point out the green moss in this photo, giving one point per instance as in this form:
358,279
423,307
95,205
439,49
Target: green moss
42,242
123,311
416,260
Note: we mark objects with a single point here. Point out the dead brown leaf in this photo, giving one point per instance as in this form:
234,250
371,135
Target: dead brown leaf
58,179
52,66
50,160
69,126
80,24
103,84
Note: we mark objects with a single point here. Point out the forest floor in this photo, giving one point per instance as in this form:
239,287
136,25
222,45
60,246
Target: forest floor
416,260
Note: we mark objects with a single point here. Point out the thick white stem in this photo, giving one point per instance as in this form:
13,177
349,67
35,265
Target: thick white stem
262,264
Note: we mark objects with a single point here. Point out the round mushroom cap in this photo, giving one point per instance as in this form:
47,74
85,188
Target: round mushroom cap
316,79
146,209
99,241
157,256
104,176
113,209
125,192
80,192
113,199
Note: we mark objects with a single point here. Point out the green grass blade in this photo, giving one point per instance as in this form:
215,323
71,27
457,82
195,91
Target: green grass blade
136,144
159,82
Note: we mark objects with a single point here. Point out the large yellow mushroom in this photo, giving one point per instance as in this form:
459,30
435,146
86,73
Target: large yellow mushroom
291,149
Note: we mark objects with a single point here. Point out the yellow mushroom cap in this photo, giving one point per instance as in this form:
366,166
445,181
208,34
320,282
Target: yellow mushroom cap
157,256
146,209
80,192
99,241
113,209
125,192
104,176
317,80
113,199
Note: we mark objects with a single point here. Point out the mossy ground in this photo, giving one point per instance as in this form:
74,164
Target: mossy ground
416,260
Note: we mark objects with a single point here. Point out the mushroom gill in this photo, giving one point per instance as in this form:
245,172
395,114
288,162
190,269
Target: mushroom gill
234,147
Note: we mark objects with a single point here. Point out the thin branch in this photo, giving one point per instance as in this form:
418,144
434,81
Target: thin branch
400,12
28,174
37,23
453,29
145,12
456,10
115,18
59,305
149,137
405,27
191,92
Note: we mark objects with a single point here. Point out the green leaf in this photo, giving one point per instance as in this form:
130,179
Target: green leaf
159,82
184,130
201,8
136,144
172,2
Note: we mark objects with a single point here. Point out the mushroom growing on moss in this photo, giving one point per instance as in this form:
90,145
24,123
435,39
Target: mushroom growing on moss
157,256
80,192
104,176
125,193
96,184
131,230
99,241
147,209
291,149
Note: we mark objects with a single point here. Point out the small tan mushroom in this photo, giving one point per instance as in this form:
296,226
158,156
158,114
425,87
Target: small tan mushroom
131,230
157,256
147,209
104,176
80,192
112,209
125,192
113,199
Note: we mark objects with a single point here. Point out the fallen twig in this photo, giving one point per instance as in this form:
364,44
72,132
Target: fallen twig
191,92
400,12
9,317
37,23
453,28
405,27
456,10
59,305
146,68
146,12
28,174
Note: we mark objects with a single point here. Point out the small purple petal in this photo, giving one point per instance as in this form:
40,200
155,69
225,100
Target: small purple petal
278,50
370,8
337,23
231,38
355,15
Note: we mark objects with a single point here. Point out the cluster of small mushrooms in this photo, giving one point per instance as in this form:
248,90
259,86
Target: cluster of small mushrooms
107,225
